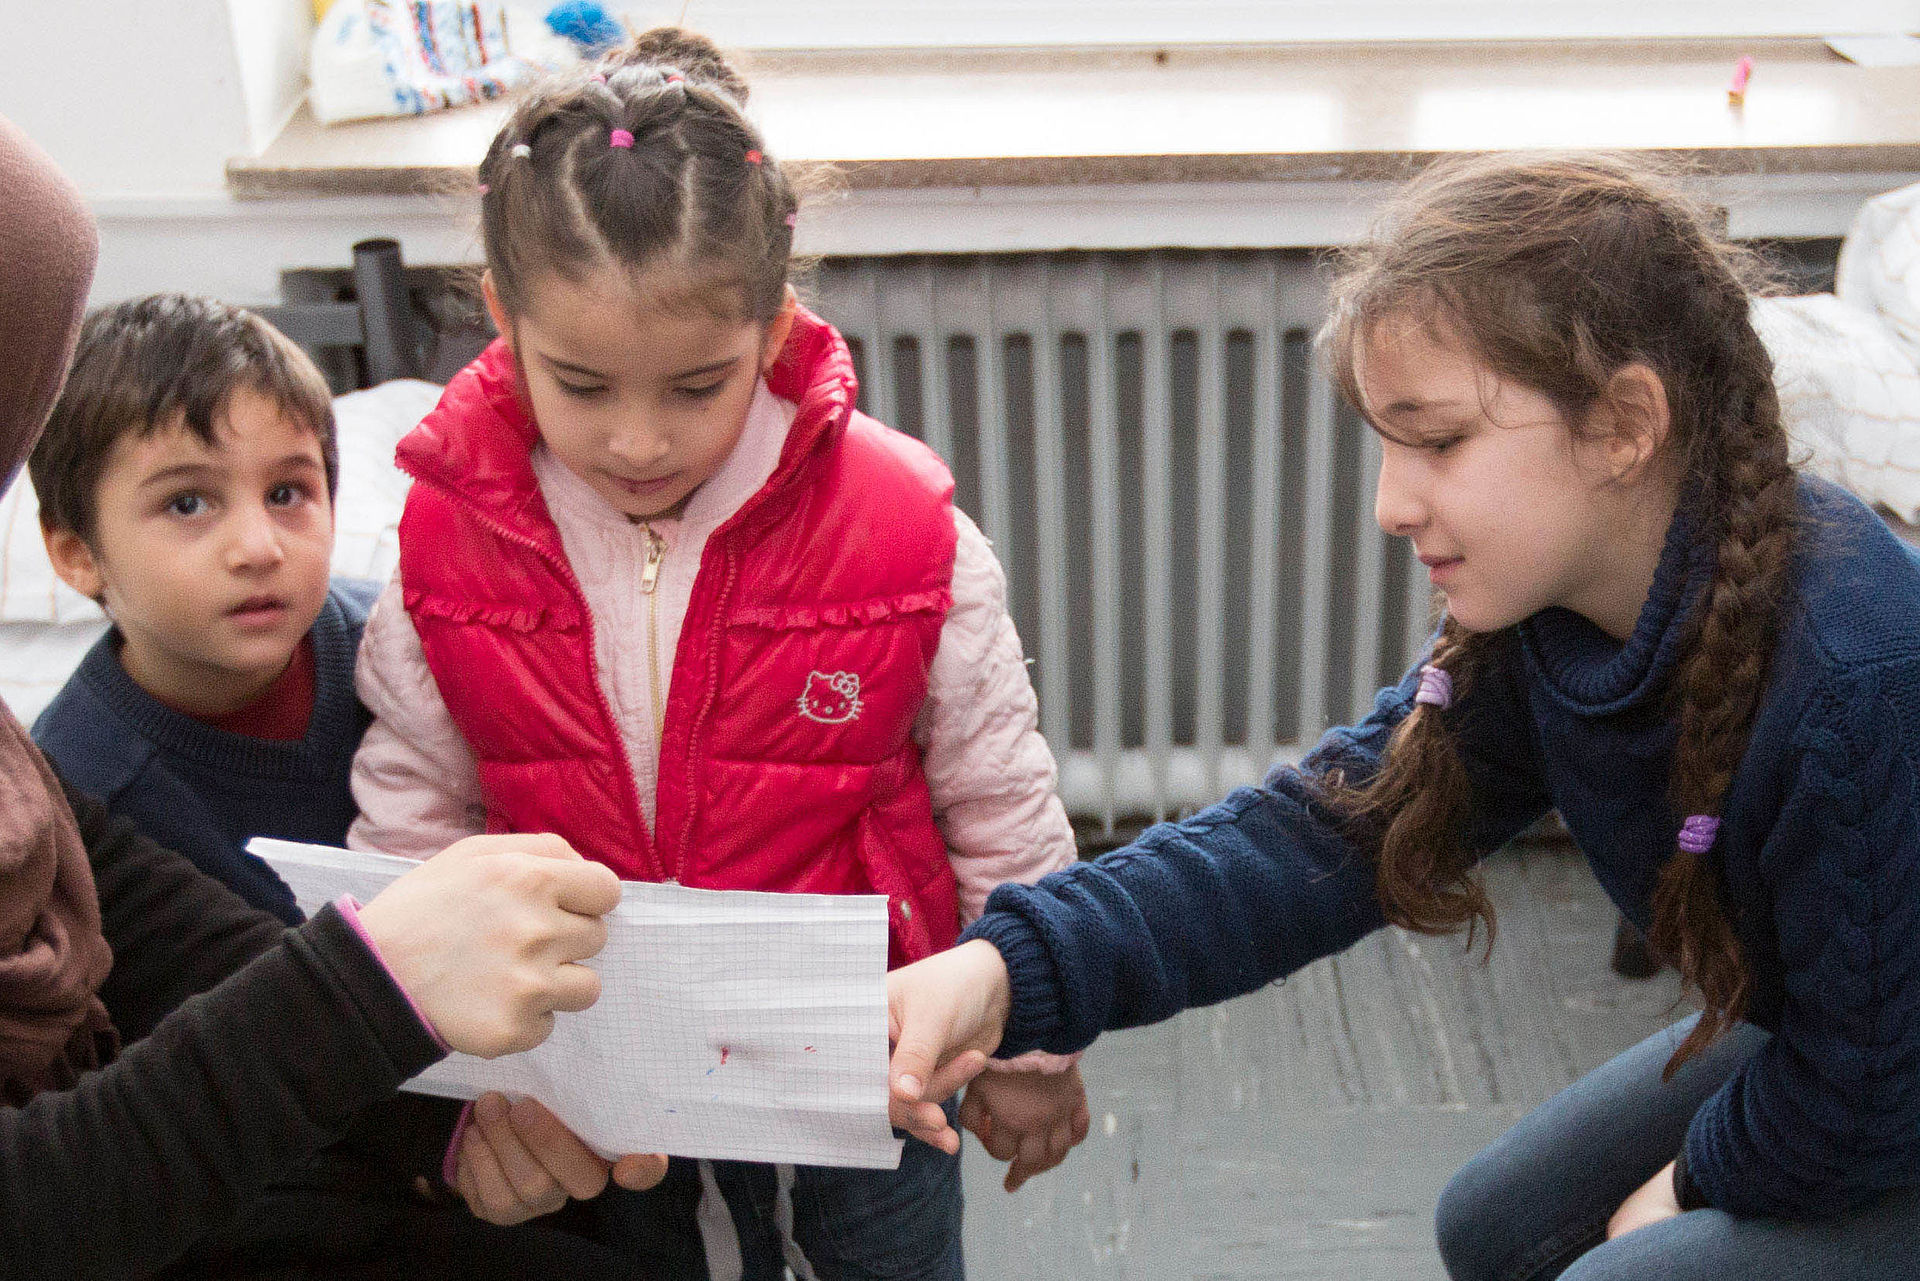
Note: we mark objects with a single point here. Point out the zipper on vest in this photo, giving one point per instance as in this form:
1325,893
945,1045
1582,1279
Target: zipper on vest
561,567
650,579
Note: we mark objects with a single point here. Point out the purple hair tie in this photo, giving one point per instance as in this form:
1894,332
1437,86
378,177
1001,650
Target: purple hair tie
620,138
1697,833
1436,687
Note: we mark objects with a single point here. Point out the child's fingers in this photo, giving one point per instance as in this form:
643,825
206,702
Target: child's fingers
953,1074
924,1121
640,1170
974,1115
579,1171
1060,1141
527,1179
1000,1143
491,1196
1032,1158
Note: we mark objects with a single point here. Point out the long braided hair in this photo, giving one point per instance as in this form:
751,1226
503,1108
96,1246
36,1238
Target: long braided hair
1558,271
642,161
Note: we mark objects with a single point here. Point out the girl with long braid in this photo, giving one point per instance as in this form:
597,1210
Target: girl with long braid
1709,665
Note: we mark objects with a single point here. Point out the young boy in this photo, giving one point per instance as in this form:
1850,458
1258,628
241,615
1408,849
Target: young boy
186,483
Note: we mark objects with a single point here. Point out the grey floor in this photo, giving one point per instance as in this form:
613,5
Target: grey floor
1305,1130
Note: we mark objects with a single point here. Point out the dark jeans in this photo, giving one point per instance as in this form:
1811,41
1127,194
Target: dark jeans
1534,1205
849,1225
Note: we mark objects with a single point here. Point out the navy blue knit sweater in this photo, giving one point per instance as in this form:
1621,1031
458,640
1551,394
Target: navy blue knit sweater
203,791
1820,848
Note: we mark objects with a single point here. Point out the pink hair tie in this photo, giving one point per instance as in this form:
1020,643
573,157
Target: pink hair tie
1697,833
754,157
597,78
484,188
793,220
620,138
1436,687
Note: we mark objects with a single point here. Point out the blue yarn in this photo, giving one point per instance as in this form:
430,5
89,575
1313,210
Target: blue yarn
586,24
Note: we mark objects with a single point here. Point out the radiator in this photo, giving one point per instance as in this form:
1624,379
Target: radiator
1184,509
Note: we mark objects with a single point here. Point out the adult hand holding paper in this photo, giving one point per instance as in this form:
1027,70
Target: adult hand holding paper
731,1024
483,997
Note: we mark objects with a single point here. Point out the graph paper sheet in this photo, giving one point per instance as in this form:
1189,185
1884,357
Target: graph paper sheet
733,1025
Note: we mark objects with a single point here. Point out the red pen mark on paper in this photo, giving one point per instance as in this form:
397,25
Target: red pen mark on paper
724,1051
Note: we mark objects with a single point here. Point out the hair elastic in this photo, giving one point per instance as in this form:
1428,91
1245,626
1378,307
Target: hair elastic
754,157
1697,833
521,151
674,77
598,78
793,220
620,138
1436,687
485,188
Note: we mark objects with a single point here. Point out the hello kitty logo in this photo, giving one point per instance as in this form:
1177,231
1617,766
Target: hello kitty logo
831,699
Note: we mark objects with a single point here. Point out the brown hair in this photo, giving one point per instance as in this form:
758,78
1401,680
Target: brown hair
1558,271
696,192
164,361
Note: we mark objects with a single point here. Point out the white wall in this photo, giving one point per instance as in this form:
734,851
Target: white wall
270,40
143,102
778,24
136,99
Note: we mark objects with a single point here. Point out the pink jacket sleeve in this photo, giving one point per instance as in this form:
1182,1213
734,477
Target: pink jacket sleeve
414,777
991,773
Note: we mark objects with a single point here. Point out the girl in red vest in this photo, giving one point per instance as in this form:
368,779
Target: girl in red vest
664,591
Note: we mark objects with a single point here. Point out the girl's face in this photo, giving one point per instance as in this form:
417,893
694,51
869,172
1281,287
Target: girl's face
1509,508
641,400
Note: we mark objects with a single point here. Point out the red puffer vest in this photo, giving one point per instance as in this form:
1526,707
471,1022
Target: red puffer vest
788,762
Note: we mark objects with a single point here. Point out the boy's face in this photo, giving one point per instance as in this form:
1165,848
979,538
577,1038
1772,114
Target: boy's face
212,562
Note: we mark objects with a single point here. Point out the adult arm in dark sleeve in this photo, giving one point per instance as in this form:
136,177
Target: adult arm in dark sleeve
263,1066
176,932
1242,893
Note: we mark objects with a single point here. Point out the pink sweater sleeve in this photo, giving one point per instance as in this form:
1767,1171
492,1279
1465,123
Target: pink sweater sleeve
414,777
991,773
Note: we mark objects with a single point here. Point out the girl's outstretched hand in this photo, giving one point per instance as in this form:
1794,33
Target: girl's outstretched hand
516,1161
944,1015
1030,1120
487,937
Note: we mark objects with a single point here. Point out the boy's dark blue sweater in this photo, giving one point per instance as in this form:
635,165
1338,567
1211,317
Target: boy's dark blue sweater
1820,848
203,791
